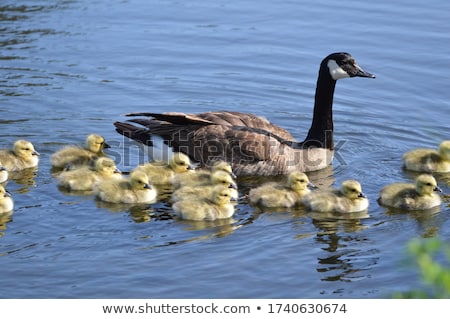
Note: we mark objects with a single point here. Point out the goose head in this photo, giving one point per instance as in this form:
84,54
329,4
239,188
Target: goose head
444,150
24,149
426,184
352,189
342,65
223,178
139,181
299,181
180,163
96,143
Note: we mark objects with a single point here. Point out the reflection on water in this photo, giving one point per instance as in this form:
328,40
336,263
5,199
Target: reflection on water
25,179
4,219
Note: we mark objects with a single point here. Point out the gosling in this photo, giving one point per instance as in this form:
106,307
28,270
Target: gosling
205,188
6,201
348,199
202,176
135,189
160,172
218,206
73,155
3,174
84,178
288,194
409,196
429,160
20,157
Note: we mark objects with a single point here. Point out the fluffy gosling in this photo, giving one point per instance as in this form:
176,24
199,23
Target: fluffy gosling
20,157
6,201
84,178
348,199
135,189
288,194
78,155
205,188
202,176
429,160
409,196
218,206
160,172
3,174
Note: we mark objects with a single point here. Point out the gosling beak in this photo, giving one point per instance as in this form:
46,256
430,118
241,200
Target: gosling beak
233,175
311,186
117,171
437,189
2,168
362,195
233,186
35,153
106,145
362,73
147,186
7,194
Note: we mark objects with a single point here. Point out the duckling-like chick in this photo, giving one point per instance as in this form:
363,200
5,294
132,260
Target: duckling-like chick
218,206
6,201
22,156
84,178
161,172
348,199
419,196
3,174
429,160
202,176
79,155
286,194
204,189
135,189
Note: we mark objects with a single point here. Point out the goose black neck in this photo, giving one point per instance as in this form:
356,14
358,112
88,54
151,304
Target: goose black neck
321,132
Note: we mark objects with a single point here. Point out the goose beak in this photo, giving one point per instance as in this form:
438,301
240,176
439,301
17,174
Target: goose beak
233,186
362,195
8,194
437,189
106,145
35,153
147,186
362,73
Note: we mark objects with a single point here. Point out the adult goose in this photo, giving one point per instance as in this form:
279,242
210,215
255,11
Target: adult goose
251,144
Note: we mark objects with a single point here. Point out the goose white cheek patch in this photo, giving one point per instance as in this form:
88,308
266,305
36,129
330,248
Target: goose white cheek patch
336,71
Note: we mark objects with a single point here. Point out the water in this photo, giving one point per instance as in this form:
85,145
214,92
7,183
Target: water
69,68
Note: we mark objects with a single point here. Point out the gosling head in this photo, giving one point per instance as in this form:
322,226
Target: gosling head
223,178
223,166
444,150
352,189
426,184
342,65
24,149
96,143
299,181
4,192
106,166
222,195
139,181
180,163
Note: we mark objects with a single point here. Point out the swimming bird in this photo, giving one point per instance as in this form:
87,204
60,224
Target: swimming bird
429,160
251,144
3,174
218,206
162,172
420,195
203,175
80,155
348,199
84,178
6,201
285,194
205,188
20,157
134,189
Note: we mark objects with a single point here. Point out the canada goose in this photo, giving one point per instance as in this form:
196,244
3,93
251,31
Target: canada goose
429,160
202,175
135,189
410,196
218,206
6,201
286,194
3,173
205,188
251,144
22,156
84,178
161,172
348,199
79,155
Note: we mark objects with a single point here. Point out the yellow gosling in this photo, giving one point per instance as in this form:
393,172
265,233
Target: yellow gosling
22,156
3,174
6,201
84,178
286,194
420,195
348,199
202,176
429,160
78,155
218,206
